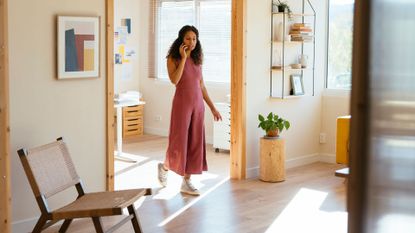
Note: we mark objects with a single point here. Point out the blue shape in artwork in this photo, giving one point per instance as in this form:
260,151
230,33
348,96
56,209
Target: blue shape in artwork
71,59
128,24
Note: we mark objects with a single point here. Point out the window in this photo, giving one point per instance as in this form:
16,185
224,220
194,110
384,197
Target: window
340,38
213,20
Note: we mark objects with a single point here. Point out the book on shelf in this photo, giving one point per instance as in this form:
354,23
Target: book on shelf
301,25
299,33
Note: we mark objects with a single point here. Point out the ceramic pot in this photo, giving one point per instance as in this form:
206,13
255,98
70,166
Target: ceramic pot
272,133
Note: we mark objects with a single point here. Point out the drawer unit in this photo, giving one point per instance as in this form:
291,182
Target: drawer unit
132,120
222,129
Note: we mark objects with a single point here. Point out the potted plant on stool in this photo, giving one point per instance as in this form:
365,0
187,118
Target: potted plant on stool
272,148
273,124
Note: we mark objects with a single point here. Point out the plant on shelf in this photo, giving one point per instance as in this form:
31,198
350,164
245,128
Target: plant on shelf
282,6
273,124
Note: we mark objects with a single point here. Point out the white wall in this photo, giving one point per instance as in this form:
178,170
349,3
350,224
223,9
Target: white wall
335,104
43,108
159,94
302,139
128,9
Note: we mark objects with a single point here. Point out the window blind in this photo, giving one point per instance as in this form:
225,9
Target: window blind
213,20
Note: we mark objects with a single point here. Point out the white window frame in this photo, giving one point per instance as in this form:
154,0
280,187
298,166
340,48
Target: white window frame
331,91
163,80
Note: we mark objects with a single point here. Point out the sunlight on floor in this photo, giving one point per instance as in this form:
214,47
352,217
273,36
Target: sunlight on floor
174,182
187,206
303,214
143,174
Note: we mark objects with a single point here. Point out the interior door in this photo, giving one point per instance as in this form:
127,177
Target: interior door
381,188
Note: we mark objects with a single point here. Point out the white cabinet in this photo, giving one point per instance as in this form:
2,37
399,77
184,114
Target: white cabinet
222,129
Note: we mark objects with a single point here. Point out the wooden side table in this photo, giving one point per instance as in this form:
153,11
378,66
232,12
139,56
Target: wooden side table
272,159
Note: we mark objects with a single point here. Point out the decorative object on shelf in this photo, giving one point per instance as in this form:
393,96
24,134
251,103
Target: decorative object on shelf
78,47
295,66
302,59
273,124
297,84
282,7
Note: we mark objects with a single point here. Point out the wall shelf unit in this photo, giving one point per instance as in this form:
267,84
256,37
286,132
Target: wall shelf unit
292,51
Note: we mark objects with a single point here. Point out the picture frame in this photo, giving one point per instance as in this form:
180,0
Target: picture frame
297,84
78,47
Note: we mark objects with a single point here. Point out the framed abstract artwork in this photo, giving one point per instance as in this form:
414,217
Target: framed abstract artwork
78,47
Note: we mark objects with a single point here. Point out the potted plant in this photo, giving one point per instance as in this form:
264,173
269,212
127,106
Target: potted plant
273,124
282,7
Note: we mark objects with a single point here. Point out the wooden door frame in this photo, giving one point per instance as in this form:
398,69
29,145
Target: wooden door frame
109,70
5,183
238,92
359,128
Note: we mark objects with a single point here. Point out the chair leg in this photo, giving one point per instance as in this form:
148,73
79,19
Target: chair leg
97,224
40,224
134,220
65,225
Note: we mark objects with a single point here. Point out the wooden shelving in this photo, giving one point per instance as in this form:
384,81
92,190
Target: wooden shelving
292,43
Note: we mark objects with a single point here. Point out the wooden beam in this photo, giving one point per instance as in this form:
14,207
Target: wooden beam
238,91
5,193
110,123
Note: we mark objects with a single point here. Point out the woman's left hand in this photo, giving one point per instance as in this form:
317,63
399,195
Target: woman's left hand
216,115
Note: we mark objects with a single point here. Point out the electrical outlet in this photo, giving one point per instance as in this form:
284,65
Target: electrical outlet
157,118
322,138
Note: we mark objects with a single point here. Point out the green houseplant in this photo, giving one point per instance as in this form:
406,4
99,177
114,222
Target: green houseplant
282,7
273,124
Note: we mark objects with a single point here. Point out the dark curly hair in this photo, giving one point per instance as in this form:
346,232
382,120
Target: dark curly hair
196,54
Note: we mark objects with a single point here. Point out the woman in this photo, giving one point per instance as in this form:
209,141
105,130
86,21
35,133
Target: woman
186,152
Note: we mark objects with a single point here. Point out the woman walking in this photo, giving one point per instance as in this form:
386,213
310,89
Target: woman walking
186,152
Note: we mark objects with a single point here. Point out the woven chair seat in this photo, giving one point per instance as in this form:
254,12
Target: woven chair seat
99,204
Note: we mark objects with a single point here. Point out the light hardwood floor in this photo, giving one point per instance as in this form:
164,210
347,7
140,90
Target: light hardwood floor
311,199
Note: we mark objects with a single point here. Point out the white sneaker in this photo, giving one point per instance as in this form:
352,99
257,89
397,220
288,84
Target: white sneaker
188,188
162,175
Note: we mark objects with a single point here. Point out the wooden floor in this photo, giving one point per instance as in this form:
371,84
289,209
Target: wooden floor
311,199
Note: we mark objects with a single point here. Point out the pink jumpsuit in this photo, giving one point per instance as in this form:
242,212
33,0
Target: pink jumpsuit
186,153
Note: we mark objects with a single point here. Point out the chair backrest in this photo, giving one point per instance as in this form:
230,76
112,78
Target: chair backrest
49,168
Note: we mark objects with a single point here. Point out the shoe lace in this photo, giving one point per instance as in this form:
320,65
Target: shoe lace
190,185
162,173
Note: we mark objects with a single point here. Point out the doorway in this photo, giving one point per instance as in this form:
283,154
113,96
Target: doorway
237,152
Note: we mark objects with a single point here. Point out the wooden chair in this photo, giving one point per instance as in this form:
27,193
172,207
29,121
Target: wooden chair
50,170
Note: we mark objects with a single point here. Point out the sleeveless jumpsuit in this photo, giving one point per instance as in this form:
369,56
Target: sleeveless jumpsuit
186,152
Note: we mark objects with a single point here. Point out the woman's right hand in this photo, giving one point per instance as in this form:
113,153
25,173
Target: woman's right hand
183,52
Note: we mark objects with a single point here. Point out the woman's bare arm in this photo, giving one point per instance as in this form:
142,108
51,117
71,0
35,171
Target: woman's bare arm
175,71
216,114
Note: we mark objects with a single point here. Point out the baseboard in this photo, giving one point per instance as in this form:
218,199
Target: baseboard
296,162
165,133
25,225
252,172
328,158
156,131
302,160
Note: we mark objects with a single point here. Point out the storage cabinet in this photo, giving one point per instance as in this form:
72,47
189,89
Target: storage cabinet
222,129
132,120
292,52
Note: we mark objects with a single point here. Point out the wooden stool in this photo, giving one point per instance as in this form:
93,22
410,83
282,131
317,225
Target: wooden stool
272,159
